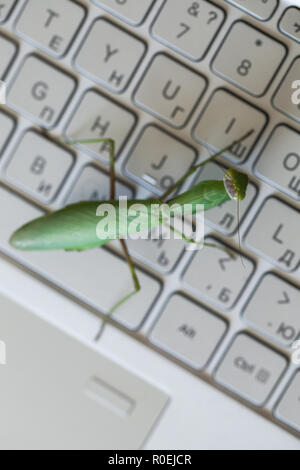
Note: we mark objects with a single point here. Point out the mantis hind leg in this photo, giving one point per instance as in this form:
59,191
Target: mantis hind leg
137,286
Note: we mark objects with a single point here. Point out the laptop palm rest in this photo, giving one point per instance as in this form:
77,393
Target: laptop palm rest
58,393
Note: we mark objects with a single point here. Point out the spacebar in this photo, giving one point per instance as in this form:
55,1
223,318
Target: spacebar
97,277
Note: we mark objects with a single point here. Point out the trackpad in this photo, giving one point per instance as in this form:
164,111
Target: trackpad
57,393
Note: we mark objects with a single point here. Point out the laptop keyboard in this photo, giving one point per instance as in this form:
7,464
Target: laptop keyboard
171,81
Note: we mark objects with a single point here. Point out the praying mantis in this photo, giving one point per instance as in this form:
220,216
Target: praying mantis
75,228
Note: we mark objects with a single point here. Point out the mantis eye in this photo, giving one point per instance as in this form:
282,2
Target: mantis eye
235,184
230,188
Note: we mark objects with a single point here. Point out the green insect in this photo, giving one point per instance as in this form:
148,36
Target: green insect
75,228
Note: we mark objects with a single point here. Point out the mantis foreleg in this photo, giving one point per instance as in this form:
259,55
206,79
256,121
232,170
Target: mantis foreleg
195,168
208,245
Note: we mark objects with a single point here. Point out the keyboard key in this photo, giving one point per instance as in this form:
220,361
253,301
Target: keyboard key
80,274
290,23
8,52
170,91
247,67
98,117
288,409
279,161
41,91
163,254
251,370
225,218
217,276
188,27
7,126
94,185
272,234
39,166
283,98
188,331
236,117
6,8
131,11
50,24
118,55
159,160
274,309
261,9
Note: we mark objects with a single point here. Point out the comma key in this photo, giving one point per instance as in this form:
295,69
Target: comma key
223,278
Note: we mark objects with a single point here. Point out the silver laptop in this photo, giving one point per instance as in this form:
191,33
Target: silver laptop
207,355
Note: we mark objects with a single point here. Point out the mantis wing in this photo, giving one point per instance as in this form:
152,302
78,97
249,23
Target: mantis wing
77,227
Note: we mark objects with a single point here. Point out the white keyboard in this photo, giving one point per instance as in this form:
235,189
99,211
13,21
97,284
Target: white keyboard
171,81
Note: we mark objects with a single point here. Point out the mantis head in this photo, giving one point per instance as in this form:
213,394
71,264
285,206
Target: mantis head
236,184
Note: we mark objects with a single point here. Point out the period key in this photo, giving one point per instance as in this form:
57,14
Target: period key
274,309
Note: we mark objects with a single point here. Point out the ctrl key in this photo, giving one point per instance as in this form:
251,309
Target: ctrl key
251,369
